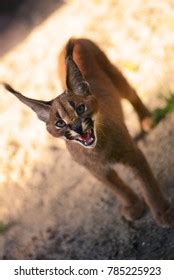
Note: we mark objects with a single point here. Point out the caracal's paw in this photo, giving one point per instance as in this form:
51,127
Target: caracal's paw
166,219
134,211
146,124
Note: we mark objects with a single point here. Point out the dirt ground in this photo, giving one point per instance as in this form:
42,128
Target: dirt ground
50,207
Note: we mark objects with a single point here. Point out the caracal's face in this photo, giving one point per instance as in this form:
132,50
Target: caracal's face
71,115
73,118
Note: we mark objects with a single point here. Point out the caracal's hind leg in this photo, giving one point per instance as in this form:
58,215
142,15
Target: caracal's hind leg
162,211
129,93
141,110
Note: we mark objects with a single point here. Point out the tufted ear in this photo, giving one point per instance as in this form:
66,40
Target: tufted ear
41,108
75,81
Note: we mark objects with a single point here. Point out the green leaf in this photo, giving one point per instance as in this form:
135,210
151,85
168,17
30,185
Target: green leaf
160,113
3,227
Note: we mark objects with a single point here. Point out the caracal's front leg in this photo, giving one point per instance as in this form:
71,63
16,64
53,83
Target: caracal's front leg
132,207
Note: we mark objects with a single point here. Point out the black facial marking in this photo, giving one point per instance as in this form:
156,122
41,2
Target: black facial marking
68,135
72,103
63,107
89,122
57,115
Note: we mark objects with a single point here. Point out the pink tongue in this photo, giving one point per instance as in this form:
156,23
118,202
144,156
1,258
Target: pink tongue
86,137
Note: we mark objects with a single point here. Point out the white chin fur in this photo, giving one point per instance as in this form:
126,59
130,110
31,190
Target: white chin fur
87,147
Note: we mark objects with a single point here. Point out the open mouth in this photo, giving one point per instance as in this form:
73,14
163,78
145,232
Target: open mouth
88,138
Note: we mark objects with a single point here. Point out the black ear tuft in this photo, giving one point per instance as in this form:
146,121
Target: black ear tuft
8,87
69,48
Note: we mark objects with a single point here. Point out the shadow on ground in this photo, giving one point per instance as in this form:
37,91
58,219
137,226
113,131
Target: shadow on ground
19,19
81,220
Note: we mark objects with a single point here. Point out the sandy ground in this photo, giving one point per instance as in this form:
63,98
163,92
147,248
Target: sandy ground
44,195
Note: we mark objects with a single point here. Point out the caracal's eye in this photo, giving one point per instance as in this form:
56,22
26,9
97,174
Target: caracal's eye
80,109
60,124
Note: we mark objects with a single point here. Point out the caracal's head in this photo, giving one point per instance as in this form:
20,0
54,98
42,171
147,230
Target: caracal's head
70,115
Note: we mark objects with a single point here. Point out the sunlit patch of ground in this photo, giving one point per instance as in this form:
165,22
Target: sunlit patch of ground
137,36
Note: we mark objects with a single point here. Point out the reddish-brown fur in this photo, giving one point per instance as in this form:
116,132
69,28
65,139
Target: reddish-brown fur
114,142
85,62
